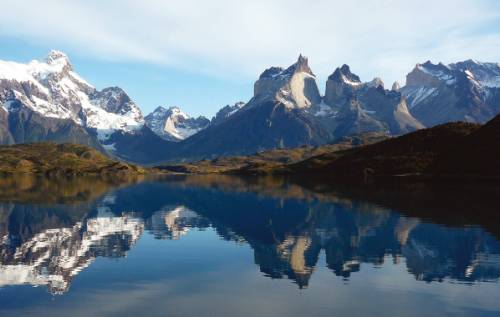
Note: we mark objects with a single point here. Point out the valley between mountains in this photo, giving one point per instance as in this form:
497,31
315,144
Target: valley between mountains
352,127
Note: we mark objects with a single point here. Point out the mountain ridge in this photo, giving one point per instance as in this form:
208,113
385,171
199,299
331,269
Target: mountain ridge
48,101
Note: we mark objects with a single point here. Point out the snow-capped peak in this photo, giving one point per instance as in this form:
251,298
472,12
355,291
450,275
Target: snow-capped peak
56,64
52,89
173,124
57,57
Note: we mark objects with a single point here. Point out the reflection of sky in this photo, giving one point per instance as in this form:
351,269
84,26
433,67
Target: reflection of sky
202,275
170,270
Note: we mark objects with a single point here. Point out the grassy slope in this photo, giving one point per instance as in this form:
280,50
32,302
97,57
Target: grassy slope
268,161
64,159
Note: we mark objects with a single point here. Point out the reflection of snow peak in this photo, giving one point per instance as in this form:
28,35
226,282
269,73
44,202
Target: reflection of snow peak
177,220
54,256
483,262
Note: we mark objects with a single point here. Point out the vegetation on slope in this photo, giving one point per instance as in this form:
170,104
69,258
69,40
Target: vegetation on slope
450,150
269,161
60,159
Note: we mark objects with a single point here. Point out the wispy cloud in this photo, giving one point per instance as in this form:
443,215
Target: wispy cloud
229,38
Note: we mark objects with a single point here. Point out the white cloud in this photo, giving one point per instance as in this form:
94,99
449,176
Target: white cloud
241,38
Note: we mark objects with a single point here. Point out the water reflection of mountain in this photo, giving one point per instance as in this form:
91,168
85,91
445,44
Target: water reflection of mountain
286,226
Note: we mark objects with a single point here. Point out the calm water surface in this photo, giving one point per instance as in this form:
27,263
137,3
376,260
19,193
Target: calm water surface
221,246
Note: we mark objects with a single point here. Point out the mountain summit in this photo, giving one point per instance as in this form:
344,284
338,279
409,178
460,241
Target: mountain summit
294,87
464,91
174,125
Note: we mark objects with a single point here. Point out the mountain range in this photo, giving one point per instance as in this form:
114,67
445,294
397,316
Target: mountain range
48,101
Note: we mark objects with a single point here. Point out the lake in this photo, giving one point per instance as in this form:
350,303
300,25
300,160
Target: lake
229,246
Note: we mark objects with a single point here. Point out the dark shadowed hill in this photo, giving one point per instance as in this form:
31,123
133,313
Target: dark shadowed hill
449,150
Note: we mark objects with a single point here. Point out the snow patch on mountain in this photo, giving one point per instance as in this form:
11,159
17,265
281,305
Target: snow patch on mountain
417,95
350,82
443,73
41,106
485,74
324,110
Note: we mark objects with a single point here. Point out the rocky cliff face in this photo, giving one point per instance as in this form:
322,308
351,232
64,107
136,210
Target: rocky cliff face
341,86
288,111
5,135
351,106
294,87
226,112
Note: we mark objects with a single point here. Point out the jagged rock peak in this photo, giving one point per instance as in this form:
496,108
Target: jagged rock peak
343,74
429,66
396,86
301,66
115,100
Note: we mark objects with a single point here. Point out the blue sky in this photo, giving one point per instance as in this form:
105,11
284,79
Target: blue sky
201,55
